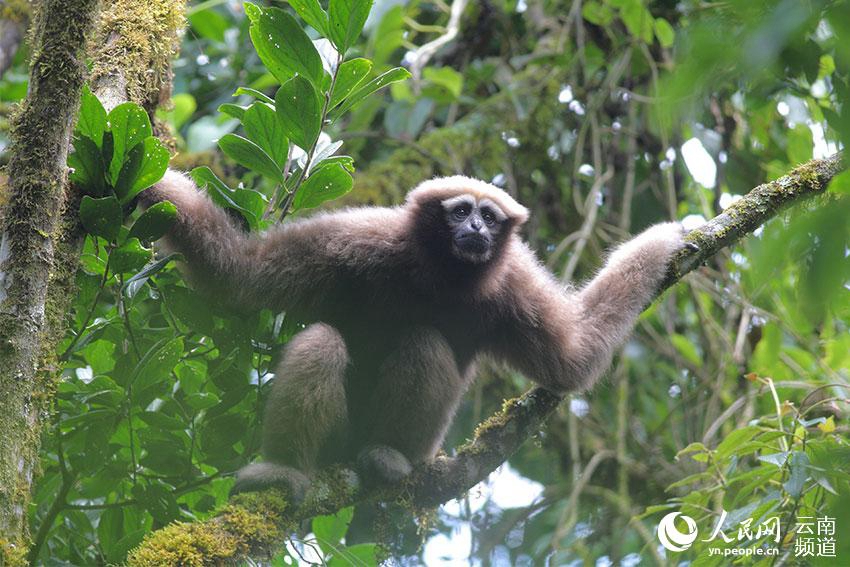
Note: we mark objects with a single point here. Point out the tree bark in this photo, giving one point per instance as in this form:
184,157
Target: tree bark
40,134
255,524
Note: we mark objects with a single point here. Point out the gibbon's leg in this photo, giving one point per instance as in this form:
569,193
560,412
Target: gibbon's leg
305,409
419,389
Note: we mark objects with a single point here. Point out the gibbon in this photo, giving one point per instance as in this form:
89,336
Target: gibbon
400,303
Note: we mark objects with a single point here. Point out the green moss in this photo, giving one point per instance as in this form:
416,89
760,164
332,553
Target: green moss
13,554
498,420
139,38
192,545
252,524
15,10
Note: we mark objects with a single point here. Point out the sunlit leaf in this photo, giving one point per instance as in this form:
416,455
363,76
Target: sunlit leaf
350,75
144,165
284,48
392,76
324,184
248,154
312,13
250,204
92,118
299,111
345,21
129,124
263,127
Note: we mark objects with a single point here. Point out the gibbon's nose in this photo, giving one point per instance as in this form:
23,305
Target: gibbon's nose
476,225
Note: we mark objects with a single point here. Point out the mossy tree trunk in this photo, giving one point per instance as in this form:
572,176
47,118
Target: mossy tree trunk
40,134
135,43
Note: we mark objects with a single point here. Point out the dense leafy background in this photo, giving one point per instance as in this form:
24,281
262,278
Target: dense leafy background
594,113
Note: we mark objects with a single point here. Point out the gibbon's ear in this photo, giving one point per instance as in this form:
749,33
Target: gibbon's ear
442,188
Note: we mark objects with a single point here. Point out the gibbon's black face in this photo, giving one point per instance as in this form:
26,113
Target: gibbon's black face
475,225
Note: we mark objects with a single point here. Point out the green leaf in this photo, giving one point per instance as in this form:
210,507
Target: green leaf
233,110
736,439
157,363
129,124
323,152
92,120
248,154
351,73
154,222
841,183
686,348
331,529
800,145
209,24
135,283
284,48
312,13
299,112
202,400
637,19
345,21
101,217
145,165
445,78
190,308
89,167
254,93
347,162
799,474
184,106
250,204
253,12
263,127
326,183
596,13
362,554
129,257
392,76
664,32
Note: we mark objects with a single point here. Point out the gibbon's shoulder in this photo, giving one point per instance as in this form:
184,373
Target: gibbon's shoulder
358,237
441,188
367,222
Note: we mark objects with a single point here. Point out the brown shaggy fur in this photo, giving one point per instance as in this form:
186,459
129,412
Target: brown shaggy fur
398,320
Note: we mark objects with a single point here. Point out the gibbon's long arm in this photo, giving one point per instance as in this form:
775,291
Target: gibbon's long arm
564,340
289,267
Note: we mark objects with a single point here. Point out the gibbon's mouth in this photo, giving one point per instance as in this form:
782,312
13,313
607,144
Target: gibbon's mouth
474,243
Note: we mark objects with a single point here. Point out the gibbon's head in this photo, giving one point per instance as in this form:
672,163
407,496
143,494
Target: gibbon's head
471,218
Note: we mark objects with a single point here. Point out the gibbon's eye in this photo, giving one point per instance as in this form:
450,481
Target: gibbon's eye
488,216
461,211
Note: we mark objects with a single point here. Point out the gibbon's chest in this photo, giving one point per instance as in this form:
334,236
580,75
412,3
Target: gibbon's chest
372,316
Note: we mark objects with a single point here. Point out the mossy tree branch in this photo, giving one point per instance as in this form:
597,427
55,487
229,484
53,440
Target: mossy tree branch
254,524
40,134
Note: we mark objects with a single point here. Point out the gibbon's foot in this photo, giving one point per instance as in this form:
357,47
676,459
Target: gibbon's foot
382,464
259,476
